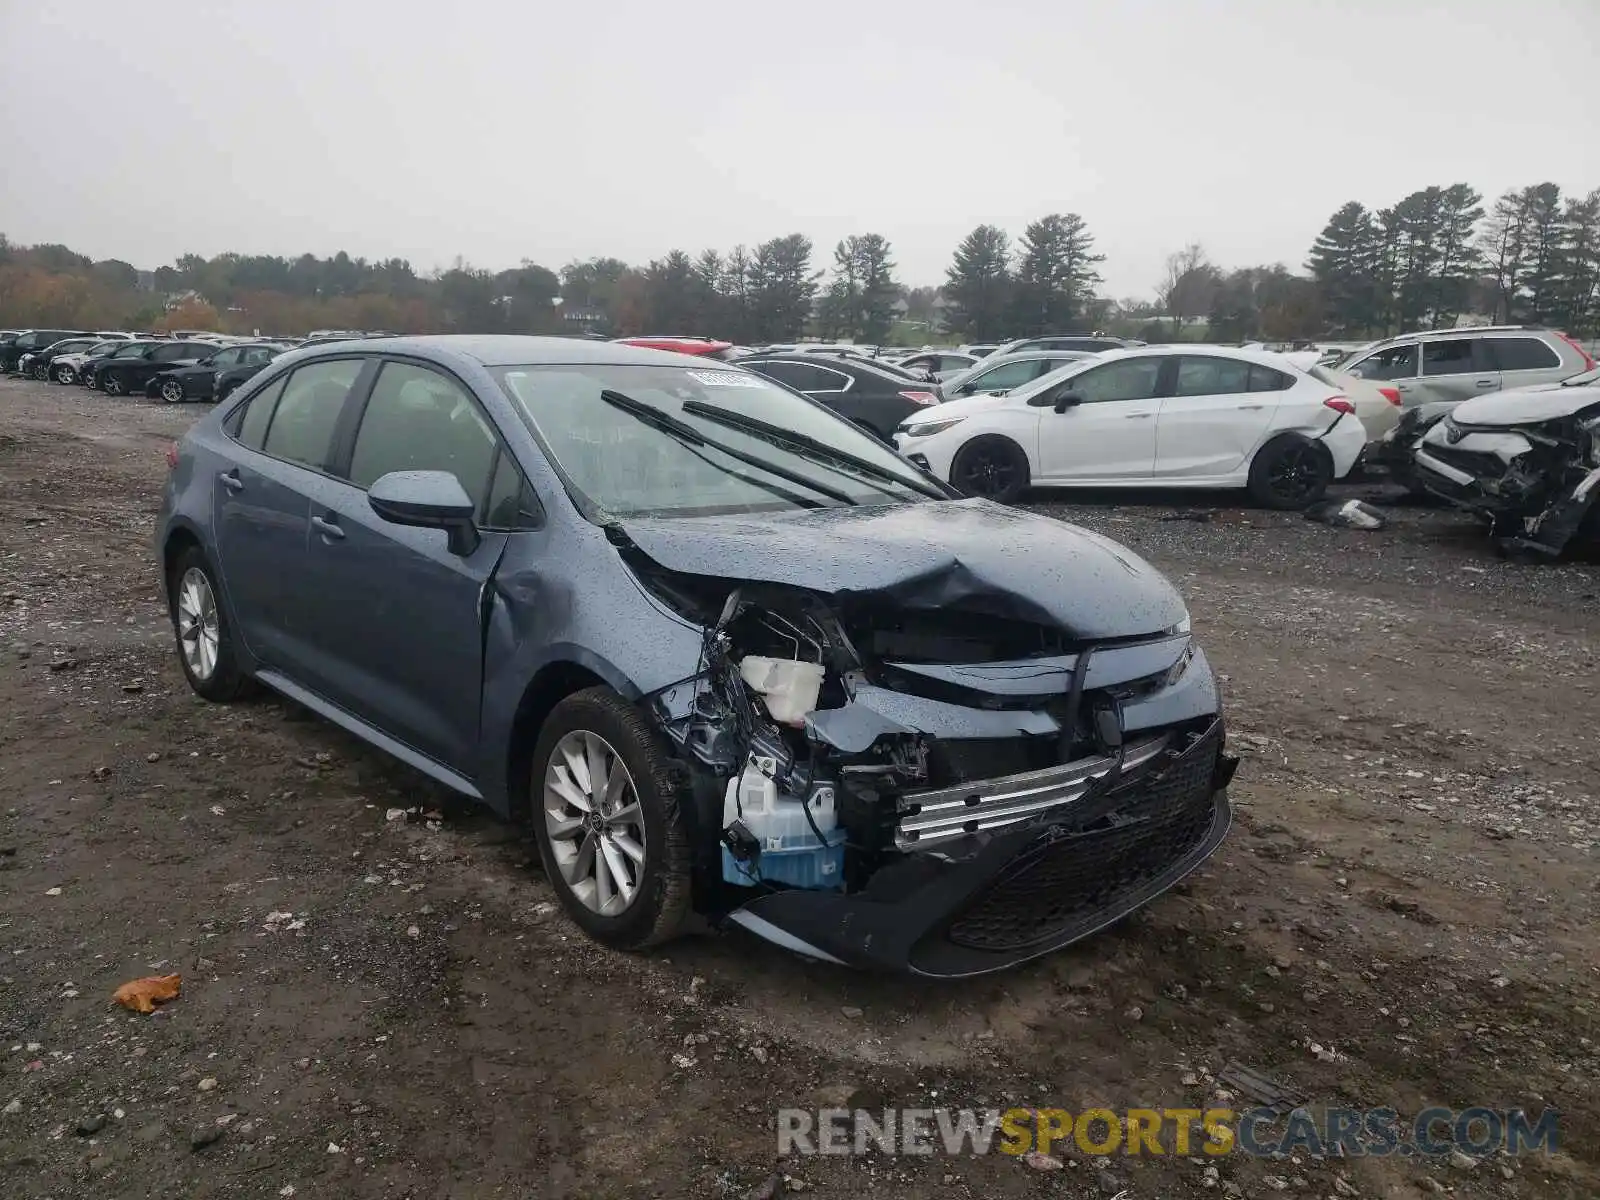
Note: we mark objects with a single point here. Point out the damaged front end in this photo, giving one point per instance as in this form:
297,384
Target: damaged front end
937,776
1536,483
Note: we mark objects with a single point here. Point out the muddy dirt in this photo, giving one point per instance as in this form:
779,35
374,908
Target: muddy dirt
388,1003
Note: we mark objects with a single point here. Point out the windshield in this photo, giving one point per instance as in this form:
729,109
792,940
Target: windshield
620,464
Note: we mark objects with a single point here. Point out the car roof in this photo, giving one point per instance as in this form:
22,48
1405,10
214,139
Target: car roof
508,350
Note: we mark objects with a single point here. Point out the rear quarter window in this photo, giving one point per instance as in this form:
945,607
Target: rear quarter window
1523,354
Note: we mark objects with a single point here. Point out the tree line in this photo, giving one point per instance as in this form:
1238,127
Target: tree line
1427,259
1434,255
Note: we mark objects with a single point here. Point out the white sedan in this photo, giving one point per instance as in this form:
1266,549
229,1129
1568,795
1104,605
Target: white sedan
1157,416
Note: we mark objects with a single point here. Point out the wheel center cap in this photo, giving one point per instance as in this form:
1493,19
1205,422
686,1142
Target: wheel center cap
596,821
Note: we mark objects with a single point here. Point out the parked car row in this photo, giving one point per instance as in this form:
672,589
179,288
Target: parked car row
175,369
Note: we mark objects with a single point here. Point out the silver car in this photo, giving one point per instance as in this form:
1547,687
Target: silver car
1451,365
1002,372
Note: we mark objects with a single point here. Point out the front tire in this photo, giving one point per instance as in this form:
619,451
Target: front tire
611,828
112,386
992,467
64,375
41,372
1290,472
206,649
172,392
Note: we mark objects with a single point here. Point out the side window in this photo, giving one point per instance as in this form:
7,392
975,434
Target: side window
1397,362
803,377
511,503
1452,357
420,420
225,358
1523,354
1265,379
257,354
302,425
1007,376
170,353
1208,376
250,425
1131,379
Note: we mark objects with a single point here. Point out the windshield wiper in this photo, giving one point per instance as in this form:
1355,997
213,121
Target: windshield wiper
819,451
690,436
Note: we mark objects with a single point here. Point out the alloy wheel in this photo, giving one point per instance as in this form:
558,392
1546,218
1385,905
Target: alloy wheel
1294,474
172,391
595,824
63,374
199,628
111,385
988,473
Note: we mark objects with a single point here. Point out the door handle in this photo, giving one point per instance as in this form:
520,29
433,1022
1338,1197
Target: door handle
231,481
1487,383
1251,407
328,529
1138,416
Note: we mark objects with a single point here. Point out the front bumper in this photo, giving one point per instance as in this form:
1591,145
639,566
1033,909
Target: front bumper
984,902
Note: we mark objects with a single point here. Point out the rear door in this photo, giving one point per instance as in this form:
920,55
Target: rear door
1456,369
396,618
1212,419
1111,435
1524,360
262,507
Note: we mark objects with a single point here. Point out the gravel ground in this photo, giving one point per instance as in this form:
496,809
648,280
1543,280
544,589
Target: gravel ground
380,999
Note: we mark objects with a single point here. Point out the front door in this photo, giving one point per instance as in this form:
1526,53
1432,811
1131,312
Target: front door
1212,419
397,616
1111,434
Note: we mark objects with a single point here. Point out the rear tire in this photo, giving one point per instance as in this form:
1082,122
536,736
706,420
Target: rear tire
991,467
206,649
65,375
112,386
1290,472
641,825
41,372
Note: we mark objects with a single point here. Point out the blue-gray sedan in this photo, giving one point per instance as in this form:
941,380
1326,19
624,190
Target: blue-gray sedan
730,655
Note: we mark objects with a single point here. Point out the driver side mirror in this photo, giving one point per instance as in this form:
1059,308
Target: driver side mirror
1060,401
427,500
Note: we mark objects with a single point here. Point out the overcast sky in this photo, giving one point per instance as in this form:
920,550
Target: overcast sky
554,131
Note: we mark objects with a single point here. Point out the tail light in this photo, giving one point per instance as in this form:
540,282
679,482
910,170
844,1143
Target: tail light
1392,395
921,397
172,456
1340,404
1588,362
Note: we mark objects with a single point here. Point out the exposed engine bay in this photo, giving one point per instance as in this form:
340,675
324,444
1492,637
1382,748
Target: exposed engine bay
892,779
1536,483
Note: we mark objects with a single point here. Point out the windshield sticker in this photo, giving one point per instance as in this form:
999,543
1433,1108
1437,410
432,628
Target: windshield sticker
736,379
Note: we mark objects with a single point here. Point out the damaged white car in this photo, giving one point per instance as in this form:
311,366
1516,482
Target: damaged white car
1528,461
737,661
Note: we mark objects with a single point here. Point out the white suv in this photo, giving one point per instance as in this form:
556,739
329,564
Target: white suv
1452,365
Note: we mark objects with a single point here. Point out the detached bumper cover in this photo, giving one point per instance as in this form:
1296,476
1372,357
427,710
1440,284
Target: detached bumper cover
987,901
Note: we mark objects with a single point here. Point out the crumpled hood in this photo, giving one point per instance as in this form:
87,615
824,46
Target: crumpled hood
971,553
1525,406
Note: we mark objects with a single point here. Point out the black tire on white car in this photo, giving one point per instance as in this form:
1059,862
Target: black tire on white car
992,467
64,374
1290,472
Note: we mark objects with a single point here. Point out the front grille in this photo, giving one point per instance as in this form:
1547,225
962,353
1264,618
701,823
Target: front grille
1477,463
1079,873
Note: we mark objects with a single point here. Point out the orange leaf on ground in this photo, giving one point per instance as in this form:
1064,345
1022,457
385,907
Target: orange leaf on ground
142,995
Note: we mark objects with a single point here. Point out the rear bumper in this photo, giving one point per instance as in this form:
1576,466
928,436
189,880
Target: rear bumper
981,903
1345,440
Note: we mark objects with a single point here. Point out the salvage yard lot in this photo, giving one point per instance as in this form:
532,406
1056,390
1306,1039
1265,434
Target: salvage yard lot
1409,887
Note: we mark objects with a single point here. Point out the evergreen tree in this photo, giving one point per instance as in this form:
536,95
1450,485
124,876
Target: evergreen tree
1056,276
978,285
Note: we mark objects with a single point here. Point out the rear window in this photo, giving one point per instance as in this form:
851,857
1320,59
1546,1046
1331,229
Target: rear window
1523,354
